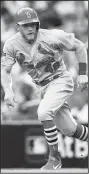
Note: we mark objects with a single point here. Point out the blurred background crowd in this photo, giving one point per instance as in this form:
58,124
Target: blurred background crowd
71,16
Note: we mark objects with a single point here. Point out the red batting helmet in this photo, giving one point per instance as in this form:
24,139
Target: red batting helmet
27,15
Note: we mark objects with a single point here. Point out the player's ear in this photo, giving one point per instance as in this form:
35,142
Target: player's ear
17,27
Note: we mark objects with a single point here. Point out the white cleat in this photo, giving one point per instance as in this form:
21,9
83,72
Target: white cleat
52,164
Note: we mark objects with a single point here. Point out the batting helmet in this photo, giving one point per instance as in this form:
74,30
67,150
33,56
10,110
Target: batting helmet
27,15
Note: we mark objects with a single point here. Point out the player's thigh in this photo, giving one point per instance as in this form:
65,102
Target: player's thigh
65,121
53,100
56,95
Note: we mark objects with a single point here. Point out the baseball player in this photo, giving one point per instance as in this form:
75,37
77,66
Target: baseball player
40,53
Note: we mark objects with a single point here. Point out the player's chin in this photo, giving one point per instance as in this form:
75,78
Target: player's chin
30,36
30,39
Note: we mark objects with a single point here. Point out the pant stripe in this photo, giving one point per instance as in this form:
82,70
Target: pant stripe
49,131
50,128
51,138
86,135
51,135
54,135
83,134
53,143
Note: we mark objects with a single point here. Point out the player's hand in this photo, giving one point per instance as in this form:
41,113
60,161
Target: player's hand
82,82
10,99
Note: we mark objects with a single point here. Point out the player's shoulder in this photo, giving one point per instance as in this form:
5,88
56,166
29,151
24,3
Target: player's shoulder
44,31
12,38
53,32
63,35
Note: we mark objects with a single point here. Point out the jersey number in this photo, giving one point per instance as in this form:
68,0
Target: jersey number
51,67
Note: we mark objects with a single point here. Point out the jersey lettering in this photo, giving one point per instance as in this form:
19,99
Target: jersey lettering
22,63
44,48
45,61
52,67
20,58
55,47
3,54
48,57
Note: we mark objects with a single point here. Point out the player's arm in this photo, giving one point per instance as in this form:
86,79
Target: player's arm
70,43
7,62
81,54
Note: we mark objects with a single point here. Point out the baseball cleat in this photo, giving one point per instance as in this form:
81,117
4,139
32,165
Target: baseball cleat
52,164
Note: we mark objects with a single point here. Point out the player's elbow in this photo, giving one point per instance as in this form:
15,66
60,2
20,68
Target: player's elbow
6,69
81,46
78,45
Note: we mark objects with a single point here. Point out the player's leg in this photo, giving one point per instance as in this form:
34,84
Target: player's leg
68,126
49,126
81,132
54,98
50,132
51,136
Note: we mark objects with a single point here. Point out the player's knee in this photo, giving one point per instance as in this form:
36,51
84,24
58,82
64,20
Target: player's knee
68,132
43,114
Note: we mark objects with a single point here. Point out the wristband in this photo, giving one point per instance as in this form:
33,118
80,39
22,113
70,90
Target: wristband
82,68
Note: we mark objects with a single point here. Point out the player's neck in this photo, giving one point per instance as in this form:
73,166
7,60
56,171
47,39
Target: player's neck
31,42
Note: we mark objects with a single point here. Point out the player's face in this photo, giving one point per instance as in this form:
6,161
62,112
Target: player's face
28,31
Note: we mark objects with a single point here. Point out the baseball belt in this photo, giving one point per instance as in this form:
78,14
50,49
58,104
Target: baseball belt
46,81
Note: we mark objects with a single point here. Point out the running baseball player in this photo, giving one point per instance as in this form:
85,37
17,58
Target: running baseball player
40,53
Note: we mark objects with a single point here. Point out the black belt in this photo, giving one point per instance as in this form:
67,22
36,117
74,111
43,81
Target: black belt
46,81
